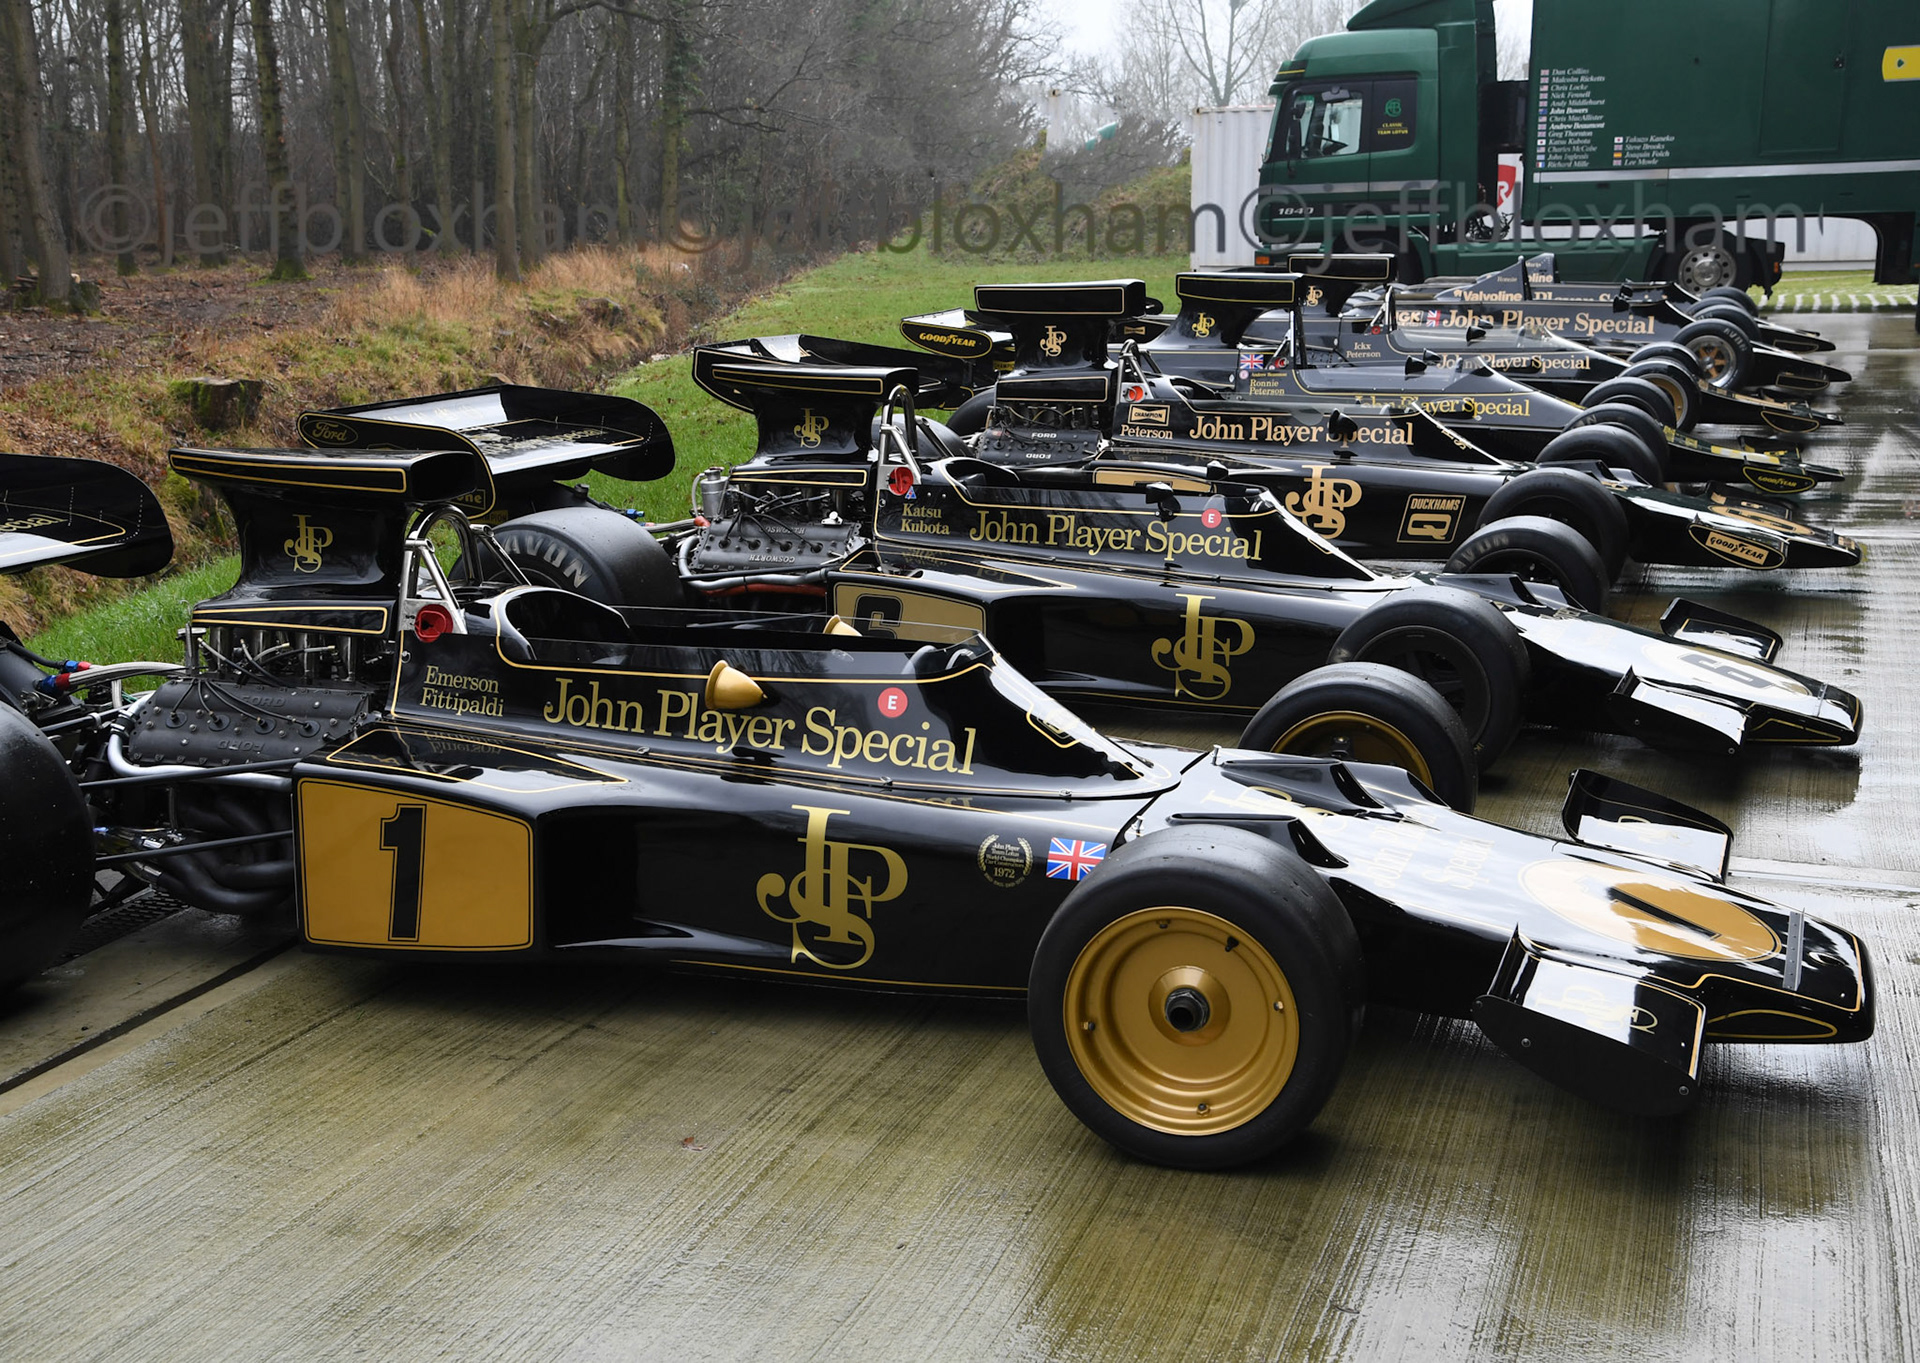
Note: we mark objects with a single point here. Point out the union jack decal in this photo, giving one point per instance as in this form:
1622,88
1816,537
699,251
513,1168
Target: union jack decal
1072,859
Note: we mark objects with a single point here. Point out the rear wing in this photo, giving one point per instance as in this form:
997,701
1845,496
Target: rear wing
1059,326
90,515
942,382
1216,308
803,411
527,436
321,531
1330,280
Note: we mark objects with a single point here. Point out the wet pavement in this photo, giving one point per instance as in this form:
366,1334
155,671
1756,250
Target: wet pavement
316,1156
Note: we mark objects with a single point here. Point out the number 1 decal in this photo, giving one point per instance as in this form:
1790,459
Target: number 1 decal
405,836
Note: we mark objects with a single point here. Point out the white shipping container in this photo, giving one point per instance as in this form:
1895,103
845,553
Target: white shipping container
1228,146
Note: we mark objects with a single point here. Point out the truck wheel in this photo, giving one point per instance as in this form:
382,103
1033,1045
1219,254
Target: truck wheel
597,553
1634,392
1723,350
1617,446
1366,712
1740,298
1460,645
1715,263
1734,314
1536,549
1574,500
1667,350
46,851
1677,383
970,417
1194,998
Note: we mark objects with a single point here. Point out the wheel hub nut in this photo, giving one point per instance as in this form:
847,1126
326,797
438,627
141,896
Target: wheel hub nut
1187,1009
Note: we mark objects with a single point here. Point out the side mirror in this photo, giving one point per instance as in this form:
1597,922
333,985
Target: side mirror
728,688
1161,495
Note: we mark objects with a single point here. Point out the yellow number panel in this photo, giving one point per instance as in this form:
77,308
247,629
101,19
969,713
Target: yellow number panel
384,868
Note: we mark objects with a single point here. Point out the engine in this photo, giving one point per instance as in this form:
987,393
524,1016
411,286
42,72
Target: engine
763,532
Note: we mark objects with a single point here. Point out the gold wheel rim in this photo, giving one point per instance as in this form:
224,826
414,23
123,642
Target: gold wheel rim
1671,387
1362,738
1153,1054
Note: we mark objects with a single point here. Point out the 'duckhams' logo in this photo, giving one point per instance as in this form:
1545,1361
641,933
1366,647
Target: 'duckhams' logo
1199,659
828,903
308,543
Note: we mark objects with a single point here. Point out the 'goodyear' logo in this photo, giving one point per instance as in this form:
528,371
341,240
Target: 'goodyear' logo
1200,658
1051,342
829,906
1323,505
810,428
308,543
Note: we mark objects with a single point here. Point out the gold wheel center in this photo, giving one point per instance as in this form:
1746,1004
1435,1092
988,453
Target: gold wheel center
1352,736
1180,1021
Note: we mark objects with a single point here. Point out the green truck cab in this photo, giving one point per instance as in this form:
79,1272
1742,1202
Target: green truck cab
1687,137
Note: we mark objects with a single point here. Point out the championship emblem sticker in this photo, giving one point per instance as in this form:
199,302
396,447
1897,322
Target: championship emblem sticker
893,702
1072,858
1211,518
900,482
1005,862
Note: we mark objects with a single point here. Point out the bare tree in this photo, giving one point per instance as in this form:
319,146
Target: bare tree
1177,55
46,238
289,262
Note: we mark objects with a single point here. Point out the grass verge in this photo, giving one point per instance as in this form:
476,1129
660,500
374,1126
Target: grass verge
859,297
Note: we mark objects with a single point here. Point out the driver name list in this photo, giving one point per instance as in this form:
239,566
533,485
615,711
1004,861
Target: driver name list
1570,121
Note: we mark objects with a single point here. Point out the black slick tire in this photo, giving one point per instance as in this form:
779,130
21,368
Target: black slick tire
1738,297
46,851
1459,644
597,553
1536,549
1367,712
1572,498
1193,1000
1676,382
1667,350
1722,349
970,417
1634,392
1614,446
1732,313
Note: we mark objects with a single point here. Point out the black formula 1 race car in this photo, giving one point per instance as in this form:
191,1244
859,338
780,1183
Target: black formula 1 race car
1387,324
1050,341
1735,347
1387,482
1104,587
431,766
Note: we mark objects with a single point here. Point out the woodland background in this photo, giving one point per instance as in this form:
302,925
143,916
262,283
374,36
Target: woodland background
179,131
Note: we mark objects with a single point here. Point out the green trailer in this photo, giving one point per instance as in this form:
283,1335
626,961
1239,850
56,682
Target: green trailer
1680,139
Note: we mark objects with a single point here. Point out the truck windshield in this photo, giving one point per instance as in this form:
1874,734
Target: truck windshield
1321,121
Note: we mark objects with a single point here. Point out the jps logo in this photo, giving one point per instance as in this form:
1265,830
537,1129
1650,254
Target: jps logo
1052,341
830,908
1314,295
1324,503
1202,325
307,544
1200,658
810,428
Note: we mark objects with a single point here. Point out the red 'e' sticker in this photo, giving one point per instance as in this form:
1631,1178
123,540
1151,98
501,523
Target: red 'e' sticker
893,702
1211,518
900,481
